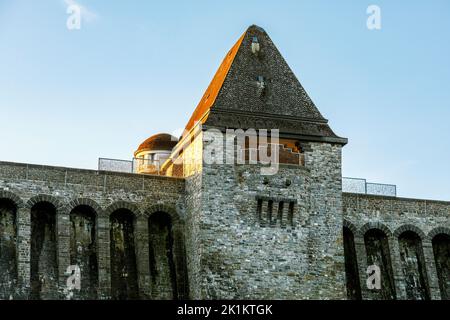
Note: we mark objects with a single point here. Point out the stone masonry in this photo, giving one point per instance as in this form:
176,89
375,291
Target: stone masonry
395,217
203,227
63,192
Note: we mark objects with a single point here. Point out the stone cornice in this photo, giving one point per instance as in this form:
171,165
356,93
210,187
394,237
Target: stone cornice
289,127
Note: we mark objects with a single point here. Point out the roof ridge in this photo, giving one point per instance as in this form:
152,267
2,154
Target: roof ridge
211,93
274,92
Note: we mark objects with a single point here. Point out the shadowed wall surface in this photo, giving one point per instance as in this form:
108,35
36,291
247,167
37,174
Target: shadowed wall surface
162,266
44,268
8,238
413,266
441,248
83,249
124,284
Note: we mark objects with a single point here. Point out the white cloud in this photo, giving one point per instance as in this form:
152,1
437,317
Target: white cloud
86,14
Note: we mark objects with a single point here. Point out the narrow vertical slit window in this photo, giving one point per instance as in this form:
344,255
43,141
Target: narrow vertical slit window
259,210
269,212
280,213
291,214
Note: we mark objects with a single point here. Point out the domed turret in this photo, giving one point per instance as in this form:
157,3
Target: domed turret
153,152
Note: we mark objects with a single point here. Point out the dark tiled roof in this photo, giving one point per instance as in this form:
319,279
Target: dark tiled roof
210,95
234,98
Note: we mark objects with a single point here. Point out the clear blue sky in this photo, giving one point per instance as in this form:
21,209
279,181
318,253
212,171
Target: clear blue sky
140,67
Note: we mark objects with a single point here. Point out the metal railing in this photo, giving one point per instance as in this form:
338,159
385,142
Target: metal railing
141,165
137,165
361,186
115,165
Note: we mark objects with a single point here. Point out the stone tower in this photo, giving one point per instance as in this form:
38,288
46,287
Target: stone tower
211,220
262,236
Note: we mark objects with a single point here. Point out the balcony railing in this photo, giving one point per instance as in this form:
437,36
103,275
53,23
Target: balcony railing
350,185
137,165
361,186
115,165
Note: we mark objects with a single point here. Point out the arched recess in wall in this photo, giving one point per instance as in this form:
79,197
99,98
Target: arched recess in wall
44,263
124,277
8,242
83,249
412,263
167,255
378,253
441,250
351,265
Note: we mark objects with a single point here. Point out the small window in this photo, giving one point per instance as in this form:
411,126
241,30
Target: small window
259,209
269,211
280,212
291,213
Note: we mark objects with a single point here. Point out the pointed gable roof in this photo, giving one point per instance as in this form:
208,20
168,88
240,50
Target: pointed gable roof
234,98
210,95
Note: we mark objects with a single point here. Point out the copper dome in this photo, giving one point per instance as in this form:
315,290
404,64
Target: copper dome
161,141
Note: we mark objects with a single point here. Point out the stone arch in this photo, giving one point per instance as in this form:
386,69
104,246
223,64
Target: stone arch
441,251
85,202
121,204
4,194
167,253
376,241
59,205
439,230
351,262
124,270
83,244
170,210
411,228
375,225
9,227
44,210
352,227
412,262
